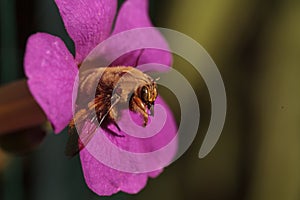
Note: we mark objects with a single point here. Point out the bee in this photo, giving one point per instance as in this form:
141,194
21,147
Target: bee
117,88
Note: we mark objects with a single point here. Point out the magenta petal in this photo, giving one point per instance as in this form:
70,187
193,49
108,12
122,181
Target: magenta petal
51,71
88,22
106,179
134,14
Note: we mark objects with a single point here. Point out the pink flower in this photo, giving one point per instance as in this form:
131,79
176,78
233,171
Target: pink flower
51,70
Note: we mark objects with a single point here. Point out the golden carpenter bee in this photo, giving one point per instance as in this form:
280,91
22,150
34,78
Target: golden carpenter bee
117,88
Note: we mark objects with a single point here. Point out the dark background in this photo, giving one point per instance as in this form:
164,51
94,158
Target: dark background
255,44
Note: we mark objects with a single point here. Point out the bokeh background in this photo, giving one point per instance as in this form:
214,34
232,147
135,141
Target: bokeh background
255,44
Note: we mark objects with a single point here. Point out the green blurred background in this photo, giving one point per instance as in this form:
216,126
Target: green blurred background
255,44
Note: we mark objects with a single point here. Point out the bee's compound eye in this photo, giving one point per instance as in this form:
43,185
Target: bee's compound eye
144,93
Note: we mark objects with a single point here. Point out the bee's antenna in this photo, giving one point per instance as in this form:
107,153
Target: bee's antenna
139,57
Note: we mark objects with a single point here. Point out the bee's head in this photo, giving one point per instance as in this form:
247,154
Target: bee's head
148,94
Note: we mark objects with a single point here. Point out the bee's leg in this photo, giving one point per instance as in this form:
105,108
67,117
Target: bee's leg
112,132
116,125
138,106
113,116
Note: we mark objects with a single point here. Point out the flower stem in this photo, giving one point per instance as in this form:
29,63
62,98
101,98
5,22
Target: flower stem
18,109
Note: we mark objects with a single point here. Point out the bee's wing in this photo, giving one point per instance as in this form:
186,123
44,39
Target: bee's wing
75,142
